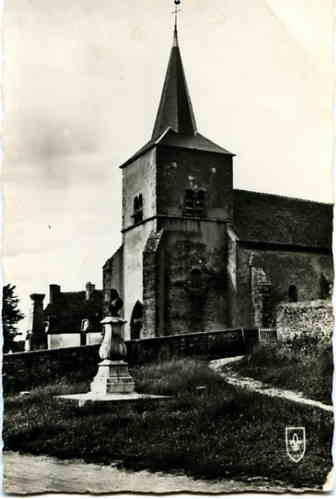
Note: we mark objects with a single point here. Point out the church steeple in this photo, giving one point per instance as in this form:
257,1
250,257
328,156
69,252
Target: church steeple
175,109
175,124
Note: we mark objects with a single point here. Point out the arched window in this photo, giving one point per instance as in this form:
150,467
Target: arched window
136,323
137,209
292,293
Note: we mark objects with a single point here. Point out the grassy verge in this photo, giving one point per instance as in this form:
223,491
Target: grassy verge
213,432
304,365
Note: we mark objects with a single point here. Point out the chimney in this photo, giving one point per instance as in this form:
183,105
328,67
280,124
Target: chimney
89,289
54,293
36,319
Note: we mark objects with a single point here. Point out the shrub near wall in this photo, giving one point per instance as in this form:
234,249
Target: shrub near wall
314,318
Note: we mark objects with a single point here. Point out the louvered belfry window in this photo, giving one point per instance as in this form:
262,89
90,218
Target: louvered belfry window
194,203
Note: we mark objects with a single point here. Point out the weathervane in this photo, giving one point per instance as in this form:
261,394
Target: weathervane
176,11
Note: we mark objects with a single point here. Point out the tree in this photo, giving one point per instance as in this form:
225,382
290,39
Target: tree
11,315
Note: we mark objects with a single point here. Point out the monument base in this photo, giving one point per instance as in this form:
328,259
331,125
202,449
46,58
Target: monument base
112,377
110,400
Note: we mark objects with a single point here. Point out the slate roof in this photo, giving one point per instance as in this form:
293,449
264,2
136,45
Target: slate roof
171,139
197,141
270,218
175,109
175,123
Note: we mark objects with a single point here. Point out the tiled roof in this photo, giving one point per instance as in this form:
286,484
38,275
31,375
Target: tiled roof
270,218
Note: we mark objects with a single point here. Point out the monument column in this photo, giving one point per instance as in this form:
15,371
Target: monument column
112,376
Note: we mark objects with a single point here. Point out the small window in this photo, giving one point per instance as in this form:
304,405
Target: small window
292,293
137,209
194,203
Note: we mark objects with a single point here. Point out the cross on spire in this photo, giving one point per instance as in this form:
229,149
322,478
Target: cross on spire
176,11
175,109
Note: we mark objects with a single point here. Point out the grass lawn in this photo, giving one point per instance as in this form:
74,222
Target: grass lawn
214,432
303,365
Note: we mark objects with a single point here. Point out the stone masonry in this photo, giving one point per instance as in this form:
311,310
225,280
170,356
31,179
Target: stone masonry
313,318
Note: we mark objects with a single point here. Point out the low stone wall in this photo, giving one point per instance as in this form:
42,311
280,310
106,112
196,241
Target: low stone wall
214,344
24,370
314,318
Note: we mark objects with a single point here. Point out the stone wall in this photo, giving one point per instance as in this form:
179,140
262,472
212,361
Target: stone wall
211,345
261,289
284,269
313,318
154,285
24,370
196,297
134,245
138,177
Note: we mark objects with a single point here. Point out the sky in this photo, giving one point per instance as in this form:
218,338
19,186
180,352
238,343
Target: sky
81,87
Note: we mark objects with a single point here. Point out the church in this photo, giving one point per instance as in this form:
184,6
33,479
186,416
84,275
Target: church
198,254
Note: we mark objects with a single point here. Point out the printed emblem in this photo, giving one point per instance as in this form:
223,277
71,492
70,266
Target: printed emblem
295,442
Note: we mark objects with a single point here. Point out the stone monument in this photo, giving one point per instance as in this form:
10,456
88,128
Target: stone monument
112,375
112,383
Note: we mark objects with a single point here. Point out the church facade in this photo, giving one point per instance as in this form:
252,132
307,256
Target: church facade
198,254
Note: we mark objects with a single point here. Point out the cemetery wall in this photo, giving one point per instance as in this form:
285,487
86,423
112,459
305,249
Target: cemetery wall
312,318
24,370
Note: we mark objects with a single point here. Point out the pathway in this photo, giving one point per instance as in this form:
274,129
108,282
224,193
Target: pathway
260,387
25,474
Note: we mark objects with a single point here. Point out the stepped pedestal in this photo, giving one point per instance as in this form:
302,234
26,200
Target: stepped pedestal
113,383
112,377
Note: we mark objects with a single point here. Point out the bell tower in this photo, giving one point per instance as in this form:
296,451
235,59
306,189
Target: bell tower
177,204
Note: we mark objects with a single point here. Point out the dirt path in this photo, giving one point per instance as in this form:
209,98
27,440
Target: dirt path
260,387
25,474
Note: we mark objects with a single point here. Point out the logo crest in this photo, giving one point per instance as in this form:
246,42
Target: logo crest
295,442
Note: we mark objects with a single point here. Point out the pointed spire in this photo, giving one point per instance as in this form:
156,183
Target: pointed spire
175,42
175,109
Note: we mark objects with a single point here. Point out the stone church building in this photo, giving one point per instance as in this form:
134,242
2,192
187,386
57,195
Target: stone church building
198,254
